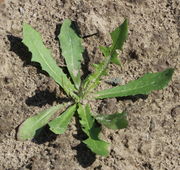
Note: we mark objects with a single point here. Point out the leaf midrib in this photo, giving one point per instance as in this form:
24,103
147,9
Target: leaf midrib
54,110
98,75
72,56
132,89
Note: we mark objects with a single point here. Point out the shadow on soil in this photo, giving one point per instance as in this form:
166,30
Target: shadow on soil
44,135
84,156
133,98
41,98
22,51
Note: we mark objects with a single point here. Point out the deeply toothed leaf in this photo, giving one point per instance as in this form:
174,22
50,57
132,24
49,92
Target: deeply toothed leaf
92,130
60,124
105,50
71,51
42,55
93,80
143,85
119,35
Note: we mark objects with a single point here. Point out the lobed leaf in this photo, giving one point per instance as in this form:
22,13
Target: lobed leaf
113,121
93,80
42,55
118,36
143,85
29,127
105,50
91,129
60,124
72,51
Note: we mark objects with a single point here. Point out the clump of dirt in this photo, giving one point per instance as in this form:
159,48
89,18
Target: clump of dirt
151,140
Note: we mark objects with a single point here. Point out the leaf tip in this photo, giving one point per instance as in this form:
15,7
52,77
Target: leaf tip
67,22
21,134
170,72
126,21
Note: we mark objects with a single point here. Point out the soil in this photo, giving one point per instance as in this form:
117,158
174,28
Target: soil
151,141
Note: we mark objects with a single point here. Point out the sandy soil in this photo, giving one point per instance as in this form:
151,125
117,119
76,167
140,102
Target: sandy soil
151,142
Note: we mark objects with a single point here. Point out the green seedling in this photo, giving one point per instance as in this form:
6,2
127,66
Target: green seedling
80,91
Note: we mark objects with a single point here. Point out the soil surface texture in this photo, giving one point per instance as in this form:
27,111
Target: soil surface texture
151,141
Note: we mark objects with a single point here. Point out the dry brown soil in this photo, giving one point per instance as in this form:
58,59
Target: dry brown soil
151,142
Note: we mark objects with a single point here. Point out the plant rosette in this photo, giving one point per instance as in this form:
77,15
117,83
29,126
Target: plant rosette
78,89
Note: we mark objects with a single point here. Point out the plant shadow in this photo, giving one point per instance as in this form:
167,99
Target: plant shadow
41,98
84,156
22,51
44,135
133,98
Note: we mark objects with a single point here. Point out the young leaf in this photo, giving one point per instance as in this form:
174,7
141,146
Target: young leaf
105,50
143,85
113,121
93,80
72,51
90,127
60,124
119,36
28,128
42,55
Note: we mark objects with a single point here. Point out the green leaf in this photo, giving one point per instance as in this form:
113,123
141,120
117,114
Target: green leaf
93,79
92,130
119,36
105,50
113,121
42,55
72,51
143,85
115,60
99,147
29,127
60,124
